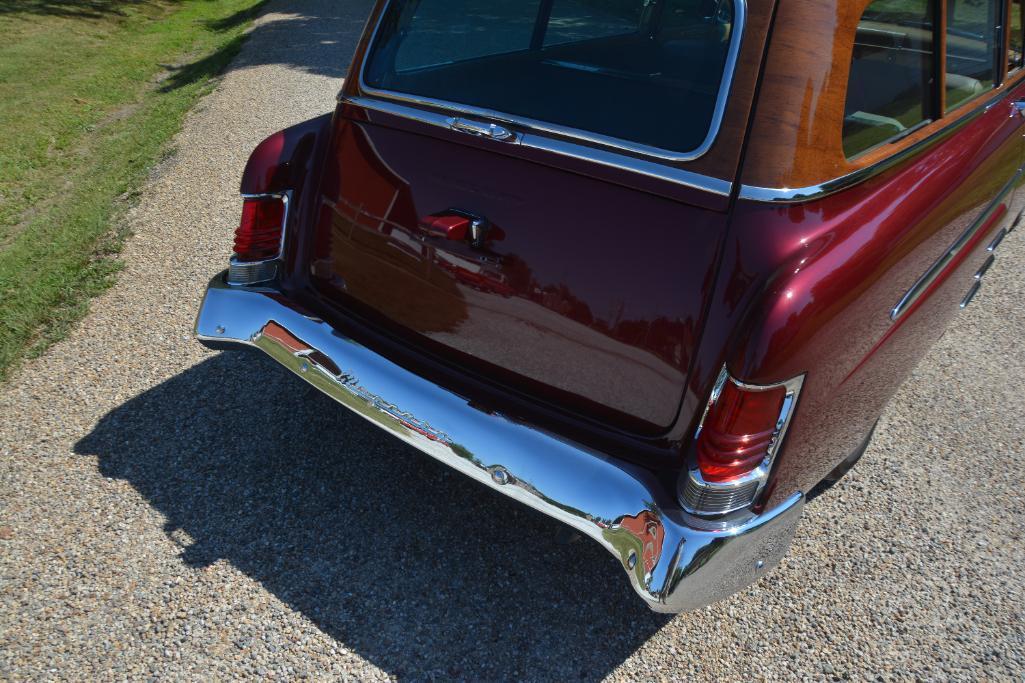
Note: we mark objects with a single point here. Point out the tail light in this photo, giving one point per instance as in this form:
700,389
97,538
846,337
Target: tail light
735,444
259,238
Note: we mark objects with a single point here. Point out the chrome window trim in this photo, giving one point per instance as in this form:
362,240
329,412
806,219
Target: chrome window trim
692,481
795,195
937,268
546,128
596,155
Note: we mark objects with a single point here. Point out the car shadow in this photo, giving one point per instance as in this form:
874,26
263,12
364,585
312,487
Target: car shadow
405,562
414,567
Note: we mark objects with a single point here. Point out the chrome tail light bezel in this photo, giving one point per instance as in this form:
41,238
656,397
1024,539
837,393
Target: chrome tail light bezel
704,498
245,272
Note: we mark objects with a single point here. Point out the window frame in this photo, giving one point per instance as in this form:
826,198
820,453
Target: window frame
999,55
1009,10
937,104
932,104
569,133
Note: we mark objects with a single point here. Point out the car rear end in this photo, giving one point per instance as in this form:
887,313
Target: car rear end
502,247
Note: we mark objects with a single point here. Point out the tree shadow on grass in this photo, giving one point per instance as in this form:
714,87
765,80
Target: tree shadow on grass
418,569
236,19
84,9
316,36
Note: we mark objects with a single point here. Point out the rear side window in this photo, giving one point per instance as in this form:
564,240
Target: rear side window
895,81
621,71
890,87
974,36
1015,43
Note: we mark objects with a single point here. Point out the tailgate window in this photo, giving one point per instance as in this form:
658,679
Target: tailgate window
636,73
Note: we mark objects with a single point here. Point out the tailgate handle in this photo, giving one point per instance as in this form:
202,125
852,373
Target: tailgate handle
481,129
460,226
447,226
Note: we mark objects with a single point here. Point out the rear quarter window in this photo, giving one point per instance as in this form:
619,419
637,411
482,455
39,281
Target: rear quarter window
974,37
890,87
622,71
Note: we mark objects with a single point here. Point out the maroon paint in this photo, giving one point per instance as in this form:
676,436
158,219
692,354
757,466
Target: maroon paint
809,288
585,290
801,288
290,160
286,159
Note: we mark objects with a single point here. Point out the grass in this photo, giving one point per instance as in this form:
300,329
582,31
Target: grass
91,93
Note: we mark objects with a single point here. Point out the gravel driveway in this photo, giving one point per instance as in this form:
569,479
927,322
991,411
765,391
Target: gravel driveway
173,512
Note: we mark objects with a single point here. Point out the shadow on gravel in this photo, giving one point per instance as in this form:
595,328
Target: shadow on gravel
317,36
414,567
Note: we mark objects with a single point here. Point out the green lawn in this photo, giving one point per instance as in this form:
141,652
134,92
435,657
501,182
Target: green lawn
91,92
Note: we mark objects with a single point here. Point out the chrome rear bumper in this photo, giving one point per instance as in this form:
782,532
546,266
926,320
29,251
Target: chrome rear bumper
672,565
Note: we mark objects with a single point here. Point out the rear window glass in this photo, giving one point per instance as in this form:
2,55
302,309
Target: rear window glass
891,87
634,70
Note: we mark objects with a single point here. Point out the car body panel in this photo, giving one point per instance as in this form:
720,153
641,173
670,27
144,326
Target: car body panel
810,287
569,299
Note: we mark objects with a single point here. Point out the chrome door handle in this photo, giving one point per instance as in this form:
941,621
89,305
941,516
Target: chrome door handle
480,129
1018,108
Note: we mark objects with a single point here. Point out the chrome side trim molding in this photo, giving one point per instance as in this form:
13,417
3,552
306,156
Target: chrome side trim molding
705,498
972,291
937,268
997,240
718,111
986,265
672,565
565,148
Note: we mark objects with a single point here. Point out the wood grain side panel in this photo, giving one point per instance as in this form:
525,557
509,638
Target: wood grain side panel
795,140
796,134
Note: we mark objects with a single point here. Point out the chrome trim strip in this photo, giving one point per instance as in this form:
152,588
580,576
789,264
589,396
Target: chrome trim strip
651,169
694,487
671,564
491,131
791,195
1001,234
718,112
937,268
971,293
986,265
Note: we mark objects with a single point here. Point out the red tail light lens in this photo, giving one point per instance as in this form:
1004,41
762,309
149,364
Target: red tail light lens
258,236
738,431
736,443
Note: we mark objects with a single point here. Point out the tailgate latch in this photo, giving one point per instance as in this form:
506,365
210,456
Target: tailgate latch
458,226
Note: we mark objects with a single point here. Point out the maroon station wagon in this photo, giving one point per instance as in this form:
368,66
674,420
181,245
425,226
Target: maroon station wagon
651,267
